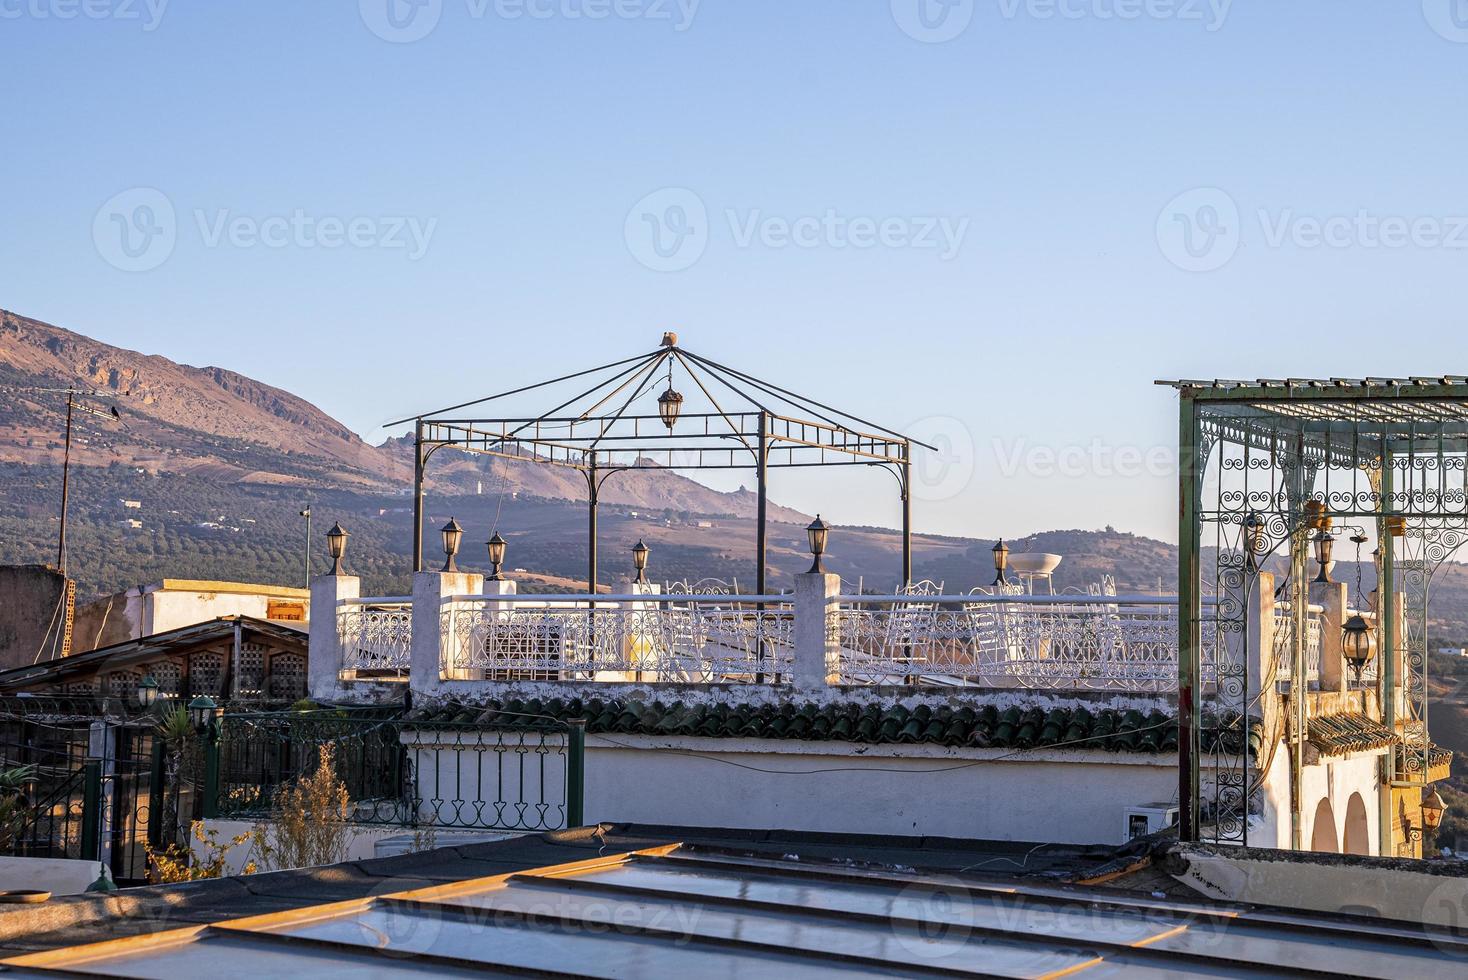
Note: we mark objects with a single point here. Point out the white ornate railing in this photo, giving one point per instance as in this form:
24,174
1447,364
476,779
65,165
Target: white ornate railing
690,638
1284,639
1059,642
376,636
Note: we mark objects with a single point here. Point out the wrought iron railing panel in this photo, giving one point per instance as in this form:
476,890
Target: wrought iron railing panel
1059,644
376,637
508,773
678,639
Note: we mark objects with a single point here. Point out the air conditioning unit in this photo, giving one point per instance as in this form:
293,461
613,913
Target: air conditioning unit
1148,818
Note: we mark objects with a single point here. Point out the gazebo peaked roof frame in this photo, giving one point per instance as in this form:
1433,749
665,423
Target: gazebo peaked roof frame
1291,456
754,424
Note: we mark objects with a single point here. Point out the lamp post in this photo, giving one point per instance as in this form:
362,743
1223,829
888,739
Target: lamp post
817,534
496,548
1324,543
336,542
306,513
1001,562
147,692
639,562
452,535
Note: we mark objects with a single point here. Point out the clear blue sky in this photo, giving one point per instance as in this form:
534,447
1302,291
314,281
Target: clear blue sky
520,146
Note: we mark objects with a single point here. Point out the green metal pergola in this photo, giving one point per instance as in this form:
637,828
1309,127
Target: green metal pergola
632,415
1263,465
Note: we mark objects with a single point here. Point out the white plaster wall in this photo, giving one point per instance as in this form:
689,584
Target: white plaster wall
172,610
59,876
1332,777
905,789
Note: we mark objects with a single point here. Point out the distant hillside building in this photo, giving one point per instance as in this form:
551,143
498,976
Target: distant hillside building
173,603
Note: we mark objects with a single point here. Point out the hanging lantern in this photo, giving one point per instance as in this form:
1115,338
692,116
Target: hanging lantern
639,561
496,546
1356,644
817,534
1001,562
452,535
670,406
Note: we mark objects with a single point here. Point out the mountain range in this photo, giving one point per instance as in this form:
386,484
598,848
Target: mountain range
215,467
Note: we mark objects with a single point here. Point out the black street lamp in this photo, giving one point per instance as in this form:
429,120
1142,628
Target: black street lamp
639,562
452,535
1254,527
496,546
1324,543
1356,643
1001,562
817,534
336,541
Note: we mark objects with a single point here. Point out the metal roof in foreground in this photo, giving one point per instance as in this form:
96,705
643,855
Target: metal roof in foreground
687,911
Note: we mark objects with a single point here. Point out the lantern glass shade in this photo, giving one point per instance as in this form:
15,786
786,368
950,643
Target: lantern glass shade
670,406
1433,809
496,547
1324,544
1001,562
452,535
147,691
1356,643
639,560
817,535
201,712
336,542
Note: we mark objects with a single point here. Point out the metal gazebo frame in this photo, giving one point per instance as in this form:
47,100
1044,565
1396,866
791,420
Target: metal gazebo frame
596,433
1263,464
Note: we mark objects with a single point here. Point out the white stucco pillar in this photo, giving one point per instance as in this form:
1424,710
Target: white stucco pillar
817,632
1332,596
324,653
430,642
1259,634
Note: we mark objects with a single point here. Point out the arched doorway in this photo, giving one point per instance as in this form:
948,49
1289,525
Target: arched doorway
1323,837
1358,837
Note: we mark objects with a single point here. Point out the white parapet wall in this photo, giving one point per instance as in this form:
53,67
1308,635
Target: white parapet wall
912,790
